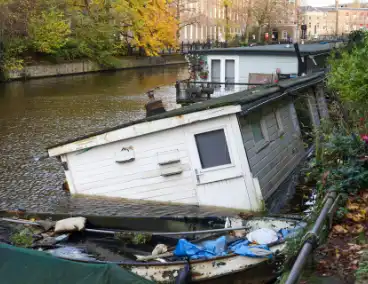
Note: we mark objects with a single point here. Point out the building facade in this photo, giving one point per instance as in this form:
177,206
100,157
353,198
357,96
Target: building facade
332,21
203,20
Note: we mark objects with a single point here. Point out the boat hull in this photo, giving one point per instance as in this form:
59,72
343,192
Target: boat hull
201,270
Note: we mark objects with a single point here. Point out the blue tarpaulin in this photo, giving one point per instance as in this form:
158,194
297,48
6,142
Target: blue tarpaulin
218,247
242,247
210,249
207,249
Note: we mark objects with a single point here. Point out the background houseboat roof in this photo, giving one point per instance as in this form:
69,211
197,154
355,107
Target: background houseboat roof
248,99
272,49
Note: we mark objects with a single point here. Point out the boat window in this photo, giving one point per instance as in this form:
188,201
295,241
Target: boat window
212,149
257,129
280,127
229,73
215,70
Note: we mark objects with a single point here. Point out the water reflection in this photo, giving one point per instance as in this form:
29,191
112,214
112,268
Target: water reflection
37,113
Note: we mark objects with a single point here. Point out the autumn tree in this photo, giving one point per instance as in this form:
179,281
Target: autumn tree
96,29
49,31
148,24
186,13
267,12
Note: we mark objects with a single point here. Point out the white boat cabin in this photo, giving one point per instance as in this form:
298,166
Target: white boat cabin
233,151
256,65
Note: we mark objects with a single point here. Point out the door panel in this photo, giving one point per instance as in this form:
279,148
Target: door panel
219,179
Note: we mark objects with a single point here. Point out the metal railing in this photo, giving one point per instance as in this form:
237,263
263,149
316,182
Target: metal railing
187,47
193,91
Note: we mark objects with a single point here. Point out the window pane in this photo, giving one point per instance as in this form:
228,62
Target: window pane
257,131
215,70
212,149
277,121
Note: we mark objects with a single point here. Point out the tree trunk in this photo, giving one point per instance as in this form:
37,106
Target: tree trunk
259,37
227,32
247,23
178,19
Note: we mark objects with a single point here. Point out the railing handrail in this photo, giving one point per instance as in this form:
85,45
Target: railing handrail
223,83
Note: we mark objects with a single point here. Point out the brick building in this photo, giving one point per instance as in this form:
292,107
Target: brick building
337,20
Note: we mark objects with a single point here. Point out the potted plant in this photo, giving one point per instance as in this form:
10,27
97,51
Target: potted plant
203,75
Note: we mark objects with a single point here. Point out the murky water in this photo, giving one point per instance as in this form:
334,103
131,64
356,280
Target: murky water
37,113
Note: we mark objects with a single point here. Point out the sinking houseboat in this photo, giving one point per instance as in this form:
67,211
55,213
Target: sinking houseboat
222,71
233,151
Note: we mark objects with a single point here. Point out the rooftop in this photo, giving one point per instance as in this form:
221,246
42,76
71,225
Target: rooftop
273,49
247,99
330,8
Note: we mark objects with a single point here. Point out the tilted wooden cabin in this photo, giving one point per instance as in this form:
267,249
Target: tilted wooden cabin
233,151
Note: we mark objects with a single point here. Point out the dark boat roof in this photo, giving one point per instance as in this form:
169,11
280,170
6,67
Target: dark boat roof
273,49
245,98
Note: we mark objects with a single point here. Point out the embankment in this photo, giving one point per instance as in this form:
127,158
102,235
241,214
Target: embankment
40,70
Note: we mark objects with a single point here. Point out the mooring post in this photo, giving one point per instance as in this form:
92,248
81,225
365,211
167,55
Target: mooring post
311,241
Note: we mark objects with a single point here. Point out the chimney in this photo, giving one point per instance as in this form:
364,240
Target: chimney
153,106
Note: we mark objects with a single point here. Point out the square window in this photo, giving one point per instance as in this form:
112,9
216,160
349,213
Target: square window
212,149
279,125
277,121
257,131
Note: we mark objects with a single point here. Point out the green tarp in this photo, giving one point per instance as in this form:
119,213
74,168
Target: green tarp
26,266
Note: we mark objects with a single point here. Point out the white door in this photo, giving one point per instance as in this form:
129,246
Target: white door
216,163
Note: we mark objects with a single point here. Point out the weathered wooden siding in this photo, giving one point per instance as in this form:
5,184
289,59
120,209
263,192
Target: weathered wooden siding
321,101
96,172
263,64
313,108
272,163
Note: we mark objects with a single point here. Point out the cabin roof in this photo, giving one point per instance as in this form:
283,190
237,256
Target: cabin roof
243,98
272,49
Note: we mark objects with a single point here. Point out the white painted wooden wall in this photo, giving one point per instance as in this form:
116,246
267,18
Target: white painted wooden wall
266,64
248,63
96,172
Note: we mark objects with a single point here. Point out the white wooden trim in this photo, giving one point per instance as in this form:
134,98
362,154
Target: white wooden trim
223,127
194,155
260,145
280,125
222,59
143,129
68,175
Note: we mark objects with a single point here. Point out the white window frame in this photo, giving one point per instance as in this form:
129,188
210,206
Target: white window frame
294,118
223,59
229,148
260,145
279,123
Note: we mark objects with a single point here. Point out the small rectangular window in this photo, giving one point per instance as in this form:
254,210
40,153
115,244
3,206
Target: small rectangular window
212,149
280,126
277,121
257,131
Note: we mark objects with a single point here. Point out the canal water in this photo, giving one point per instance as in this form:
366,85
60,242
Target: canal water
37,113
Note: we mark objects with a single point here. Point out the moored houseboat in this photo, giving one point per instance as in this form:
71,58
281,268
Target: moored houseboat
228,70
233,151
